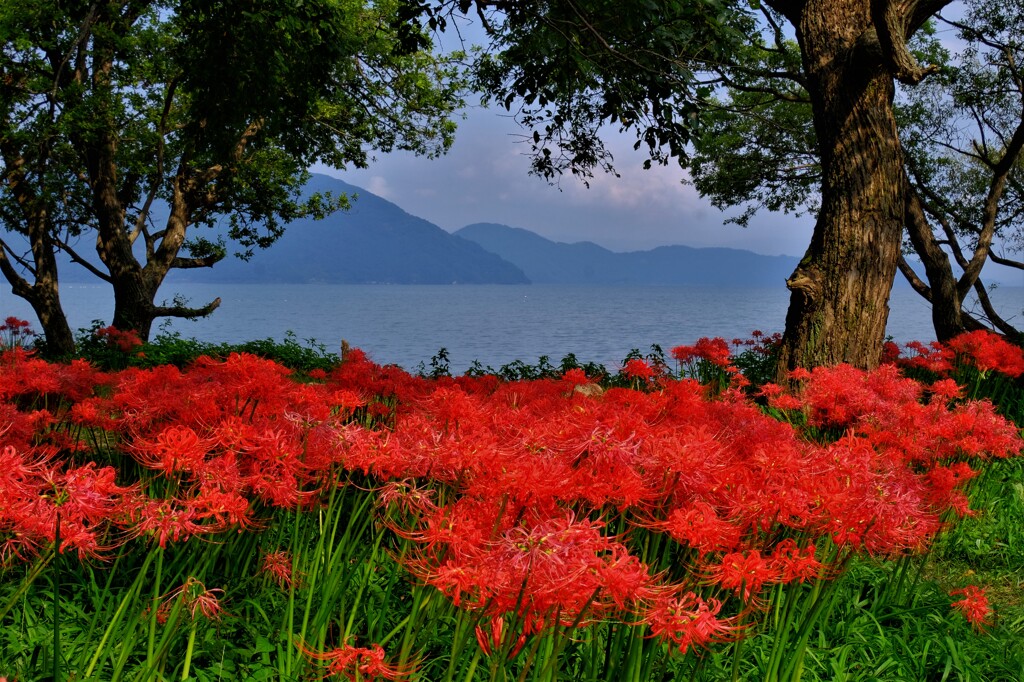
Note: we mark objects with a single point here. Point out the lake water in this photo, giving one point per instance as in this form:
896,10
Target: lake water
494,324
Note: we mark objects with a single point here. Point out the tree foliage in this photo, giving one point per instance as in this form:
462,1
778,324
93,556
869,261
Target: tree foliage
957,127
808,81
126,125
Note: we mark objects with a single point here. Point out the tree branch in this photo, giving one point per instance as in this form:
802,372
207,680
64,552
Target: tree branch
916,282
892,27
990,212
75,258
1008,262
990,311
19,285
193,263
182,311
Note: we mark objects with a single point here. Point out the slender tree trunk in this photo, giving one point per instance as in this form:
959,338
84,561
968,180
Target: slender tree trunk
60,342
942,290
840,290
43,294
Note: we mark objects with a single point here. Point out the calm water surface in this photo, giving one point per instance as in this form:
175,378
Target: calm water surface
494,324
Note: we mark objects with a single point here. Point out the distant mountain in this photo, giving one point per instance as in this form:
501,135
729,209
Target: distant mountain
549,262
373,242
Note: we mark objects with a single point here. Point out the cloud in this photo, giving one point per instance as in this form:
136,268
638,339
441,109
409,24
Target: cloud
485,178
379,186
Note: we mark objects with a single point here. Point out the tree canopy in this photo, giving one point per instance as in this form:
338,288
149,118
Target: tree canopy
961,135
217,108
126,125
780,104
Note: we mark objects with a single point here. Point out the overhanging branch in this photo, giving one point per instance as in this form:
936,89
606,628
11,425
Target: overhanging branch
183,311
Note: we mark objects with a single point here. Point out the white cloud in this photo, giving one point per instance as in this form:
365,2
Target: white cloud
379,186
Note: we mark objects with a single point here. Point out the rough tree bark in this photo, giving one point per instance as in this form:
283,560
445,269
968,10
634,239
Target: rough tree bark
852,52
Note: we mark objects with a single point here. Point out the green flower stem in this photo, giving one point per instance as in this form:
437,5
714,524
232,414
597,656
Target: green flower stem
56,601
188,650
127,601
36,571
155,602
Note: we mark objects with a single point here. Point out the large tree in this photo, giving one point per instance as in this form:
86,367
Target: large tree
126,124
962,131
569,67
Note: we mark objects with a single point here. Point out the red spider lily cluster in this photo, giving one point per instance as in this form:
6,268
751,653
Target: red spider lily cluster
14,332
985,351
974,605
522,501
122,340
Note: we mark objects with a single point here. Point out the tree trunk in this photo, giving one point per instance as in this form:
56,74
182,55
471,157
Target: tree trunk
43,294
942,290
840,290
60,342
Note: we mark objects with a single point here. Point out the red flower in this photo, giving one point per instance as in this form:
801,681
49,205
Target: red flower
990,351
123,340
700,526
744,573
278,567
974,605
356,663
716,351
688,620
197,599
638,369
576,376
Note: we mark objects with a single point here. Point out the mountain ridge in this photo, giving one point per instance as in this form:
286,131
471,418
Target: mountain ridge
378,242
549,262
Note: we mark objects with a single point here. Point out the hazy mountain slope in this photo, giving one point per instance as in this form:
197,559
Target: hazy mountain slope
374,242
548,262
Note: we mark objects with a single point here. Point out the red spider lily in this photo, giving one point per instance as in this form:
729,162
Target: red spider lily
537,569
689,621
946,390
576,377
407,496
494,642
936,357
167,520
799,374
989,352
278,567
40,500
14,332
23,374
716,351
638,369
356,663
175,448
779,399
974,605
197,599
744,573
123,340
699,526
795,564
